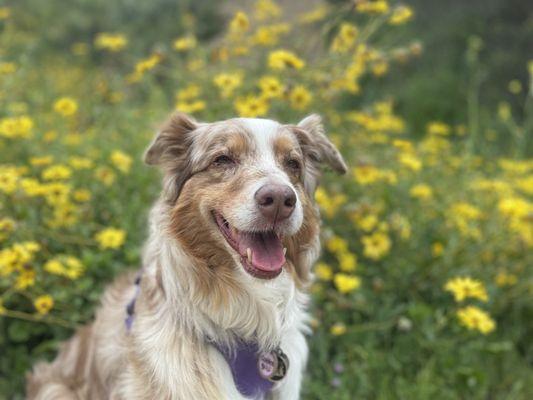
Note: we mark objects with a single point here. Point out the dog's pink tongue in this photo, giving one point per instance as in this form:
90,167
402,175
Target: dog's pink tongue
267,250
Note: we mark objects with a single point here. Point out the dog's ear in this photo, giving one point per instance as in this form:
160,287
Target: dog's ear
171,141
316,146
170,151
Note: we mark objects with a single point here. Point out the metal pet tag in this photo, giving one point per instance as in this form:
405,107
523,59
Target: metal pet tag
273,365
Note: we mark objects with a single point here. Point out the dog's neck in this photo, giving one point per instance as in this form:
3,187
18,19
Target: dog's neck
259,311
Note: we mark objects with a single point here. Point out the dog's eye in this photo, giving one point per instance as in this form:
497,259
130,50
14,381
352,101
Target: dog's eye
223,160
294,164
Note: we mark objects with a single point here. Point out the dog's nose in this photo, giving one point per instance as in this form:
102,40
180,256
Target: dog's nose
276,202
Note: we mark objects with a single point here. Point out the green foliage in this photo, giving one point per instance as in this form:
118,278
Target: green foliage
430,196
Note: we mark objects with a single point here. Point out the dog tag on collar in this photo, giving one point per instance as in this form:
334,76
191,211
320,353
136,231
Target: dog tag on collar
273,365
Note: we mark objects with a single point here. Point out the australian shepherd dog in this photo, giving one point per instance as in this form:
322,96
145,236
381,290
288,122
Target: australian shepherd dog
218,309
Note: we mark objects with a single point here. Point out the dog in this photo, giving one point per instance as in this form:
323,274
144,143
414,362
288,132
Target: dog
218,310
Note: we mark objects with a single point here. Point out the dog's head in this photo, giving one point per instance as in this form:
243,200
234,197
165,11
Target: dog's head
241,192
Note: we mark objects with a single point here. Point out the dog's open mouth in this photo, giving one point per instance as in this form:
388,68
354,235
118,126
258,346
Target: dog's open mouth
262,253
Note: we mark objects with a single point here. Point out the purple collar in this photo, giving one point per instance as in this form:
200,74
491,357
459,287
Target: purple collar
244,364
130,308
254,372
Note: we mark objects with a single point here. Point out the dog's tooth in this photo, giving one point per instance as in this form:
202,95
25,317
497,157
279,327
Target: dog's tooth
249,254
284,251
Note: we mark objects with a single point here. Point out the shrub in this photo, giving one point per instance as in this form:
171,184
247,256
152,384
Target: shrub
423,286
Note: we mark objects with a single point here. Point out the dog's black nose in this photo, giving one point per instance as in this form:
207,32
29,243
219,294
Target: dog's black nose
276,202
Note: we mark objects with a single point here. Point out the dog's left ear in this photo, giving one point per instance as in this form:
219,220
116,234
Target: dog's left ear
170,151
317,146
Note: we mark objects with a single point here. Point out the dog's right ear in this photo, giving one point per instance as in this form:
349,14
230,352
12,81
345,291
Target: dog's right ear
171,142
170,151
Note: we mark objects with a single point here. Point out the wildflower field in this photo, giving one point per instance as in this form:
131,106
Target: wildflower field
425,286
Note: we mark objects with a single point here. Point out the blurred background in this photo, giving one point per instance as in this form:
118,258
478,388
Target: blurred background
424,288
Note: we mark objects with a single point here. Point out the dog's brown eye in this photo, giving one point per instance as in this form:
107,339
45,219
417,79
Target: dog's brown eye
224,160
293,164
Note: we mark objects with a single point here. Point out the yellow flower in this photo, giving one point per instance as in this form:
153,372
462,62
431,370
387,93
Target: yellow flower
400,224
269,35
16,127
147,64
525,184
474,318
7,68
41,161
345,38
323,272
105,175
300,97
401,15
372,6
80,162
110,238
50,136
346,283
7,225
515,207
64,214
66,106
56,172
251,106
191,107
366,222
410,161
8,179
31,187
437,249
376,245
315,15
465,210
438,128
421,191
380,68
366,174
266,9
5,12
54,267
271,87
466,287
189,92
110,41
347,261
515,86
338,329
55,193
75,268
329,204
227,83
81,195
337,244
25,279
121,161
67,266
239,24
43,304
185,43
505,279
282,59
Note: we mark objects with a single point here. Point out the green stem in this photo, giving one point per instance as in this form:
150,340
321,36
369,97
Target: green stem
47,319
